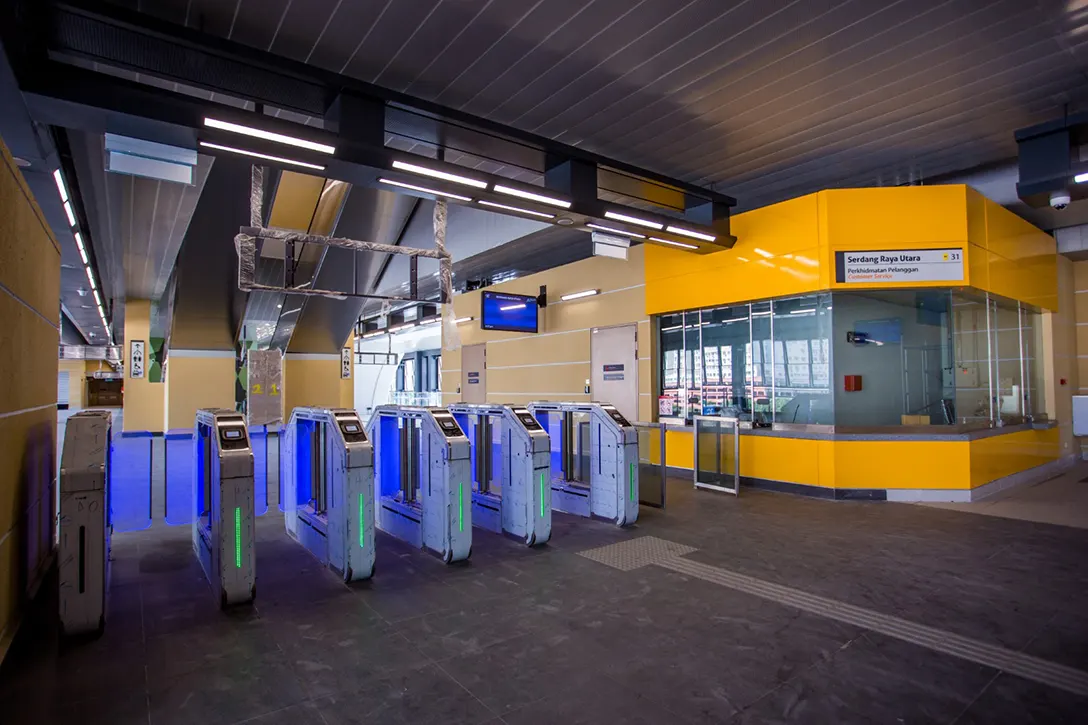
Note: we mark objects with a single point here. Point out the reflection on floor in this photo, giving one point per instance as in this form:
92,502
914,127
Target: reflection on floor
552,636
1062,500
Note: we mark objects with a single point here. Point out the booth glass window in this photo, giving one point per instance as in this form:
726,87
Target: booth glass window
872,358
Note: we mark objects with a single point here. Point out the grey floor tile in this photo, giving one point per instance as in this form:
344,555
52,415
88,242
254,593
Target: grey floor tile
594,699
1011,700
336,665
427,695
304,713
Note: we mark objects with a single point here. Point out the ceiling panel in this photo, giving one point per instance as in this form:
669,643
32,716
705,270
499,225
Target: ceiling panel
760,100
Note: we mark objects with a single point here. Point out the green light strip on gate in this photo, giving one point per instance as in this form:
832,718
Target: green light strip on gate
461,506
541,494
238,537
361,539
632,480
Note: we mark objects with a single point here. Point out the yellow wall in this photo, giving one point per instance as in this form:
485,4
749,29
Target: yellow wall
196,379
30,314
313,380
77,382
144,401
789,248
554,363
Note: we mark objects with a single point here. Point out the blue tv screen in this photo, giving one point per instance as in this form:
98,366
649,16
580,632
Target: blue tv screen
512,313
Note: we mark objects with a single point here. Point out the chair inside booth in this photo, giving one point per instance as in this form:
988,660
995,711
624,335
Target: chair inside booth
570,446
311,469
401,462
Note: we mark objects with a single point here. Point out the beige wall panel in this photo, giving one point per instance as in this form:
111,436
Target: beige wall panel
28,356
1080,275
144,402
552,382
30,261
310,383
534,349
24,438
193,383
77,381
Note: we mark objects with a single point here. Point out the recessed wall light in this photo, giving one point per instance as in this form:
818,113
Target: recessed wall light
436,174
460,320
682,245
633,220
518,209
424,189
266,157
269,136
580,295
551,200
58,178
689,233
71,214
615,231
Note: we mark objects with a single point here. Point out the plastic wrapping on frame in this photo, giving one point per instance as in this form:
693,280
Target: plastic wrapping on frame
246,245
451,338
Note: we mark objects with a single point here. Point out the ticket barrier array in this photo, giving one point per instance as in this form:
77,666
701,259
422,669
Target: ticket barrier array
223,505
511,468
422,477
594,460
327,470
85,522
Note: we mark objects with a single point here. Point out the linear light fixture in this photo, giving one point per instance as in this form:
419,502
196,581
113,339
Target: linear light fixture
269,136
580,295
806,311
373,334
81,248
90,278
518,209
266,157
562,203
71,214
633,220
61,188
615,231
1080,178
398,328
424,189
436,174
682,245
508,308
460,320
98,300
689,233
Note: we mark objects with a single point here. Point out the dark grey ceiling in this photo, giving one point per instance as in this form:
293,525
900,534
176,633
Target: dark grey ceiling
761,100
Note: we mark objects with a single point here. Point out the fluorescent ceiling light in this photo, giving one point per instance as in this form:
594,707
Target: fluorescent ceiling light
671,329
690,233
373,334
459,320
615,231
433,173
633,220
79,240
807,311
531,196
266,157
424,189
90,278
398,328
682,245
507,308
1080,178
269,136
61,188
518,209
83,255
97,299
71,214
762,252
579,295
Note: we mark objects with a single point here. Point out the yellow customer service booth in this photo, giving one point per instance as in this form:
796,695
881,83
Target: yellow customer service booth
872,343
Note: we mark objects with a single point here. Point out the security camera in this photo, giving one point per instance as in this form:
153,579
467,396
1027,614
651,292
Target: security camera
1059,199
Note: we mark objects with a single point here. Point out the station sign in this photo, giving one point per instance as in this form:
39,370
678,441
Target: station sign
899,265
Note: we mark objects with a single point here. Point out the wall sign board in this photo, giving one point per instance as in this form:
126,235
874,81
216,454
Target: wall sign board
136,359
899,265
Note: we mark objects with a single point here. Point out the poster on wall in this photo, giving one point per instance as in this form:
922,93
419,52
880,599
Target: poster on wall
899,265
136,359
345,363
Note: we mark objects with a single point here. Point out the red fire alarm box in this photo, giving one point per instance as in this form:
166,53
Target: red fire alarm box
852,383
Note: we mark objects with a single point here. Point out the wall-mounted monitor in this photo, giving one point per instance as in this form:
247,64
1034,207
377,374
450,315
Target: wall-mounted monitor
511,313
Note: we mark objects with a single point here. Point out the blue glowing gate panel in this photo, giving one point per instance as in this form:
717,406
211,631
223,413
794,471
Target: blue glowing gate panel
389,462
130,481
179,476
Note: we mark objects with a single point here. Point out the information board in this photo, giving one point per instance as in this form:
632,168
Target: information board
899,265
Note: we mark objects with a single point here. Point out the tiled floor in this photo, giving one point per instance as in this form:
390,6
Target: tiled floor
1061,500
547,636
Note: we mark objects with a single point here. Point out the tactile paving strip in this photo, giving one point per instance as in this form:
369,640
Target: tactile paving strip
637,553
